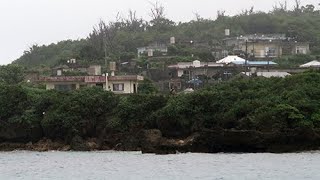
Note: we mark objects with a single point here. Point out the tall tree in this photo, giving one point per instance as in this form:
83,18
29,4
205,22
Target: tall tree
11,74
159,22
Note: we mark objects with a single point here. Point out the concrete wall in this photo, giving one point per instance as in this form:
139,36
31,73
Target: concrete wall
180,72
94,70
128,87
260,50
209,72
303,48
49,86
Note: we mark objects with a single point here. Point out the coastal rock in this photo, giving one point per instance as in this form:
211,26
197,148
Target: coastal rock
47,145
20,133
78,144
214,141
203,141
12,146
294,140
130,141
173,146
155,143
150,140
92,144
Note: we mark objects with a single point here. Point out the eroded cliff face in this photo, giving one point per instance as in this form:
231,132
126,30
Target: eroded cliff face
153,141
20,133
214,141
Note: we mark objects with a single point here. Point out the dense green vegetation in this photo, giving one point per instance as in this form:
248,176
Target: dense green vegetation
267,105
11,74
261,104
295,61
118,40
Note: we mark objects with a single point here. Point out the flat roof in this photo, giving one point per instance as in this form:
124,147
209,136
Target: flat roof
90,79
269,74
255,63
185,65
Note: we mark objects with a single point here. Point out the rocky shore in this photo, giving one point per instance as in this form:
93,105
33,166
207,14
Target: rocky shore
204,141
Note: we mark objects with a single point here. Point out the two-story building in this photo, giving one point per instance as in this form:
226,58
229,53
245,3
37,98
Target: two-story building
61,81
152,49
117,84
266,45
194,68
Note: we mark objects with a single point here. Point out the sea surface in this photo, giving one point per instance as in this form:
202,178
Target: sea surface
135,165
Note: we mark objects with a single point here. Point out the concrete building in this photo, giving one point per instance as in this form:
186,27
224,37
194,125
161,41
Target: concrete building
152,49
116,84
194,68
184,72
76,68
267,74
256,64
266,46
74,75
209,69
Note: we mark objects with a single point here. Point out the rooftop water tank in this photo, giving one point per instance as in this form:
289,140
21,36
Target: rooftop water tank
172,40
196,63
227,32
112,66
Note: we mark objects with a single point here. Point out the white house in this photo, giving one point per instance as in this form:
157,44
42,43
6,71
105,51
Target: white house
116,84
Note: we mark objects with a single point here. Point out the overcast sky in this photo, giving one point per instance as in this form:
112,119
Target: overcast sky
27,22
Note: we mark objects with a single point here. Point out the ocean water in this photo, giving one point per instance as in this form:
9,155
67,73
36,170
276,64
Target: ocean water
135,165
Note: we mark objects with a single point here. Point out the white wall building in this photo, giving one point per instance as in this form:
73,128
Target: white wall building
116,84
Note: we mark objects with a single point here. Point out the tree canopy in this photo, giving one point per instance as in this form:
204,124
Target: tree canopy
11,74
262,104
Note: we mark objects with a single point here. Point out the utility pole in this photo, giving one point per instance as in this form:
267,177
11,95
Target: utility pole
246,56
105,57
105,51
268,53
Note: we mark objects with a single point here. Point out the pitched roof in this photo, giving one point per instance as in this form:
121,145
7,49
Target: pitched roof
314,63
231,59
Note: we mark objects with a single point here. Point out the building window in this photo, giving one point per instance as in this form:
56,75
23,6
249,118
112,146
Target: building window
301,50
59,72
186,72
271,52
65,87
100,85
118,87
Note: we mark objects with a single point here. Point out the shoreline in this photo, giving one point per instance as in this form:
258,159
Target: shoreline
206,141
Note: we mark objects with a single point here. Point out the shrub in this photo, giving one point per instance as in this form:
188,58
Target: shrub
79,113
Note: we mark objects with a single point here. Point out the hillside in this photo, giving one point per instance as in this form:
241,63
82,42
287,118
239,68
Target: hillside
119,40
